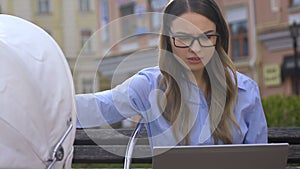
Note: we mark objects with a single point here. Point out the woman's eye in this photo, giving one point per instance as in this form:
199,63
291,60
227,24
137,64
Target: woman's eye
210,36
184,38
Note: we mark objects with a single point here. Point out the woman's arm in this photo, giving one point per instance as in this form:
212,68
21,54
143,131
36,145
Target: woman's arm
255,118
96,110
107,107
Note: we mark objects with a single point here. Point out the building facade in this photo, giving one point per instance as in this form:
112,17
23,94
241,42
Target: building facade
276,46
107,41
263,26
70,23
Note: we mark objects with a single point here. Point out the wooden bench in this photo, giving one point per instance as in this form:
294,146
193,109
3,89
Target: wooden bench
86,149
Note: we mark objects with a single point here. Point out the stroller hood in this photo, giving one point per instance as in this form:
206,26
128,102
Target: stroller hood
37,105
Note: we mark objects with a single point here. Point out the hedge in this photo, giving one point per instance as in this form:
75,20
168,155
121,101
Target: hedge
282,111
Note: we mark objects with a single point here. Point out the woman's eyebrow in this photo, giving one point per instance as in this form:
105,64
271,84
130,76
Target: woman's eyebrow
182,33
185,33
209,31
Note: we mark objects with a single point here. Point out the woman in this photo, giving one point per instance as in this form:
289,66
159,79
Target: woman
195,96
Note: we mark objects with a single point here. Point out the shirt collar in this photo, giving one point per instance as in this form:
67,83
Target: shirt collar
241,80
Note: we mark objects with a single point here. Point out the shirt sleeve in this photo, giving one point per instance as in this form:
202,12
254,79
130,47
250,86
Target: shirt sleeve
255,118
92,108
107,107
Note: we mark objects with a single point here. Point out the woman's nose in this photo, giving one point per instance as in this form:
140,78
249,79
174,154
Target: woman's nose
196,47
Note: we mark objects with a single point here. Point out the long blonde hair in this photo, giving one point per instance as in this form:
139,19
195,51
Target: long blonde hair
220,81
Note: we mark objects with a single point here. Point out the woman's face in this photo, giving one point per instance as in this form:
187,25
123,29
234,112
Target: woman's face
187,31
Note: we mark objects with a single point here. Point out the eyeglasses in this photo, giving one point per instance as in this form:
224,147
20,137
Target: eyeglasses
186,41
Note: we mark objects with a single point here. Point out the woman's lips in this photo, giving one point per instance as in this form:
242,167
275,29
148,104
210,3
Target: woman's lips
194,60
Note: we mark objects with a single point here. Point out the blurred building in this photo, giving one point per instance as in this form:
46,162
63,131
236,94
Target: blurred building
71,23
261,44
107,41
276,45
104,41
128,31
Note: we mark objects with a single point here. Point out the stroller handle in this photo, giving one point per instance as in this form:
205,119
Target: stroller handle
58,152
131,144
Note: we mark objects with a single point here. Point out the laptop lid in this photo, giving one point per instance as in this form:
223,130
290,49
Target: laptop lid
233,156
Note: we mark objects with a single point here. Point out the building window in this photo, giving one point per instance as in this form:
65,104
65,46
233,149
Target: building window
157,7
239,40
44,6
141,24
295,2
84,5
128,23
87,85
105,20
86,43
87,82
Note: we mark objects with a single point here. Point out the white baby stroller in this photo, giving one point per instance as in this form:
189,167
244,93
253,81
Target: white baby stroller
37,107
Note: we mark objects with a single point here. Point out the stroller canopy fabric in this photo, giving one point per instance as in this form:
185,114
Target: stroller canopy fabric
37,104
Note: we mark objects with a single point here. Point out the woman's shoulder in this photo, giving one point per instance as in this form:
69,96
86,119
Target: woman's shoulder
146,77
245,82
150,73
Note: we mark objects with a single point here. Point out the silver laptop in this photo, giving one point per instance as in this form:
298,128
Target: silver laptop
233,156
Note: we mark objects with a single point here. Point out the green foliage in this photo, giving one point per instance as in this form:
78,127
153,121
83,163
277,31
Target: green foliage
282,111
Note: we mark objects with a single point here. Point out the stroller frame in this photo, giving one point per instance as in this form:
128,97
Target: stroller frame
132,142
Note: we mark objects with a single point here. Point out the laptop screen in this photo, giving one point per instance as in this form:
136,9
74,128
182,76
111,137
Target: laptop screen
233,156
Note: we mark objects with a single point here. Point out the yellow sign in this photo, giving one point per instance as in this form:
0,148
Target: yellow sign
272,75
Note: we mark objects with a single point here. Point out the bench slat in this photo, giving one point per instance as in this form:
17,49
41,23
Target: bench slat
97,154
294,154
281,134
107,137
87,137
103,154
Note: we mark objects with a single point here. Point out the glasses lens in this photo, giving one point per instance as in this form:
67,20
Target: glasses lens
208,40
183,41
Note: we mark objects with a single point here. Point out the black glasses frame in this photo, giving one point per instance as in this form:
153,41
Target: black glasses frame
196,38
